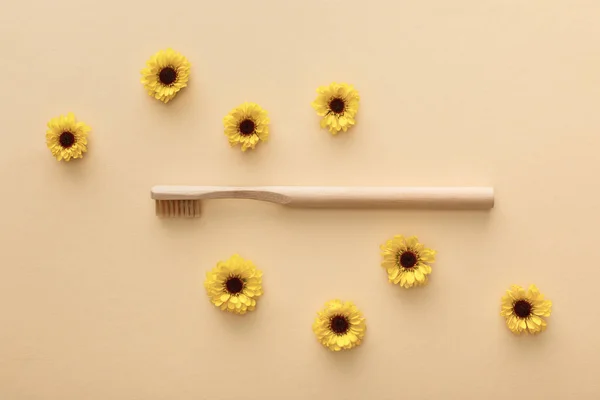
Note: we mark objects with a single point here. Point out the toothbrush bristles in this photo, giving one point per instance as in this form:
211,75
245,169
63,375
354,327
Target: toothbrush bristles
178,208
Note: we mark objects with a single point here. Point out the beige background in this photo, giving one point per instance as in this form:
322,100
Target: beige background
101,300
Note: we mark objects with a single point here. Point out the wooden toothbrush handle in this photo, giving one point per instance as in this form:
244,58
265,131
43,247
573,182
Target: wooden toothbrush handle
339,197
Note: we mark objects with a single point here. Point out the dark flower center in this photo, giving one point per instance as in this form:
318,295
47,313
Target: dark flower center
66,139
167,75
234,285
247,127
339,324
408,259
522,308
337,105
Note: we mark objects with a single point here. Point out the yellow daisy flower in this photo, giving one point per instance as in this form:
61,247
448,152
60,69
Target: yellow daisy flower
234,285
166,73
339,325
407,261
66,138
523,310
338,105
247,125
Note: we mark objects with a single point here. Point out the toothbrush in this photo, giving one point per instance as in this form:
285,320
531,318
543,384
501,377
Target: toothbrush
185,201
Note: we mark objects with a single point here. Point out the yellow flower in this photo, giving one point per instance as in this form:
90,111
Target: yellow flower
234,285
338,105
66,138
246,125
339,325
407,261
166,73
523,310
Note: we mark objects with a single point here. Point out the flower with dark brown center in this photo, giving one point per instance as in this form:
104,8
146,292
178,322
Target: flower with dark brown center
247,127
234,285
66,139
522,308
167,76
339,324
337,105
408,259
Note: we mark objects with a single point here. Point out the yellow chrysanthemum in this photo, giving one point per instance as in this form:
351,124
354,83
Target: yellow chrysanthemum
339,325
407,261
523,310
247,125
338,105
66,138
234,285
166,73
